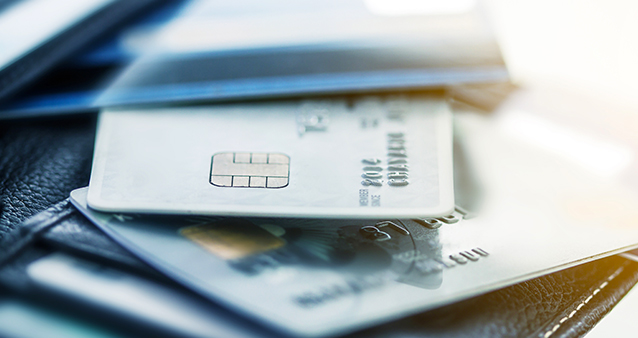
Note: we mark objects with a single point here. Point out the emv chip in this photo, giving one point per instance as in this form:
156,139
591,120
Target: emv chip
250,170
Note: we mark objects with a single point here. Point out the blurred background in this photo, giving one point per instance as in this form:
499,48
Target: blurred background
586,47
578,57
582,56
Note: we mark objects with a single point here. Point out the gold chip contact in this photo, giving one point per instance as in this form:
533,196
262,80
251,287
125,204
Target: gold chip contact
250,170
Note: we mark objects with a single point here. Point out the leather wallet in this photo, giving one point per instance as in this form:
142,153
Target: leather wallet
43,160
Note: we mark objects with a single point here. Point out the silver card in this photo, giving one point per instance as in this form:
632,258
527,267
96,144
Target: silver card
311,277
371,158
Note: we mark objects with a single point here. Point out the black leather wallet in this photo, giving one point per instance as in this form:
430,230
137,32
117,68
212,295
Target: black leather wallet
43,160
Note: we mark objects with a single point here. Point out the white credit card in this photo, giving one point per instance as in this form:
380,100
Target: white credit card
540,213
367,158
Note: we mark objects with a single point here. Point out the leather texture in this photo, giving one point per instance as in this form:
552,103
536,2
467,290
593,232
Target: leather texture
43,160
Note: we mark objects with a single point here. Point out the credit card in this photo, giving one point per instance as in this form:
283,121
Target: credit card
274,49
367,158
540,213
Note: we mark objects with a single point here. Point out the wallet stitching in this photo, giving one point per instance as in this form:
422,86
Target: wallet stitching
611,277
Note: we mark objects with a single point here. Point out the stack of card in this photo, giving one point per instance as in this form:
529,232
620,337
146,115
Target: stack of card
321,217
343,201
